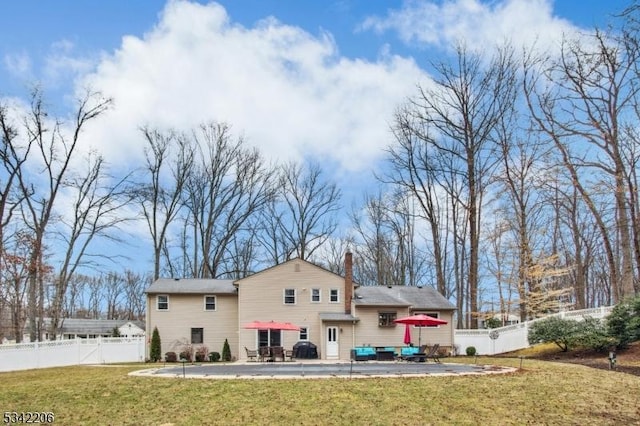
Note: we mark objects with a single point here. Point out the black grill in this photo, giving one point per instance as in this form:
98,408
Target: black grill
305,350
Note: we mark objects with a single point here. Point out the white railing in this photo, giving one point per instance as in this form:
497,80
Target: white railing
513,337
60,353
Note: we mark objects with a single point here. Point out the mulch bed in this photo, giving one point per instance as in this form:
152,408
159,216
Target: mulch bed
627,360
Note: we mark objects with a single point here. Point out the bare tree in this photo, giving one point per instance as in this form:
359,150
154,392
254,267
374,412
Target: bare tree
50,148
95,213
457,119
387,250
302,217
134,286
229,185
113,285
169,158
96,297
582,99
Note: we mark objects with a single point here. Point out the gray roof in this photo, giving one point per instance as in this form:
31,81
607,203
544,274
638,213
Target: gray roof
337,316
92,326
192,286
414,297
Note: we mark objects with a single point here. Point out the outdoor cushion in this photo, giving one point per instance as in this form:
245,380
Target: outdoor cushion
409,351
365,350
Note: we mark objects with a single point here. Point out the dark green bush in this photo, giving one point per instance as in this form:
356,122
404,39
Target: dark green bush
214,356
171,357
492,322
592,333
226,351
623,324
154,351
471,350
185,355
562,332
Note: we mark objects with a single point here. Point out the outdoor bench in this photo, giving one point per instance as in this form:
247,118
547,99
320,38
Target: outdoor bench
363,353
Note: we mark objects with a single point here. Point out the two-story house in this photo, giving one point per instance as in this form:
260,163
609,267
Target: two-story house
332,311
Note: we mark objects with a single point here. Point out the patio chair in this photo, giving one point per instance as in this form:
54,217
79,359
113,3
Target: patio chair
264,353
277,352
433,353
288,353
419,356
252,354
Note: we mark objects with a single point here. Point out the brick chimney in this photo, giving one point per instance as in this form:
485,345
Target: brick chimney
348,281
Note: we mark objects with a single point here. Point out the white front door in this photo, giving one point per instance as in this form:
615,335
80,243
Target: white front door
333,348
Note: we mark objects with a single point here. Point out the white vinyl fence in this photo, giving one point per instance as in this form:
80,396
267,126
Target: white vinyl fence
513,337
59,353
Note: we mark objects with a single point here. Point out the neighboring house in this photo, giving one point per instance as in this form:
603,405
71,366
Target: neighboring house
81,328
332,311
505,319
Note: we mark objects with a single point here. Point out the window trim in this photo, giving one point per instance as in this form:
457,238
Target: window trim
201,335
319,295
393,315
284,296
337,293
304,330
431,314
158,296
215,303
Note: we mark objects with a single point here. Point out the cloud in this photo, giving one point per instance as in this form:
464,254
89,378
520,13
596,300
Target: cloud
19,65
523,23
61,63
288,92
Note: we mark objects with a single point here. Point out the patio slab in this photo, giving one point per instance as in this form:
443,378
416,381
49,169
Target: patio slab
301,370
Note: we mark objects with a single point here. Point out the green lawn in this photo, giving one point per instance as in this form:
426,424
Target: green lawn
540,393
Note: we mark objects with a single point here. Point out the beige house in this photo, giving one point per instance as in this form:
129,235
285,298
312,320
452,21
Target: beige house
333,312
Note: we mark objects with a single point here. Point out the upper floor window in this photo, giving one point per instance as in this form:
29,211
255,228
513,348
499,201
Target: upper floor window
315,295
289,296
385,319
162,302
209,303
334,295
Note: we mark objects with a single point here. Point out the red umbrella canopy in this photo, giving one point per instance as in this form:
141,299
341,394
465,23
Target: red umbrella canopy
420,320
272,325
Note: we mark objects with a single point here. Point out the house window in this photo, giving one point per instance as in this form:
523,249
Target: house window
434,315
334,295
162,302
304,334
385,319
289,296
315,295
197,335
209,303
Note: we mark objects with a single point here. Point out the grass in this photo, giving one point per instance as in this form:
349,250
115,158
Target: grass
540,393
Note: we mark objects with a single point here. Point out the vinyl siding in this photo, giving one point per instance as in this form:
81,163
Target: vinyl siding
261,298
187,311
369,334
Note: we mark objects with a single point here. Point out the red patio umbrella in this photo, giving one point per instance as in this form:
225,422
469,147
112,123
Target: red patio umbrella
420,320
272,325
407,335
